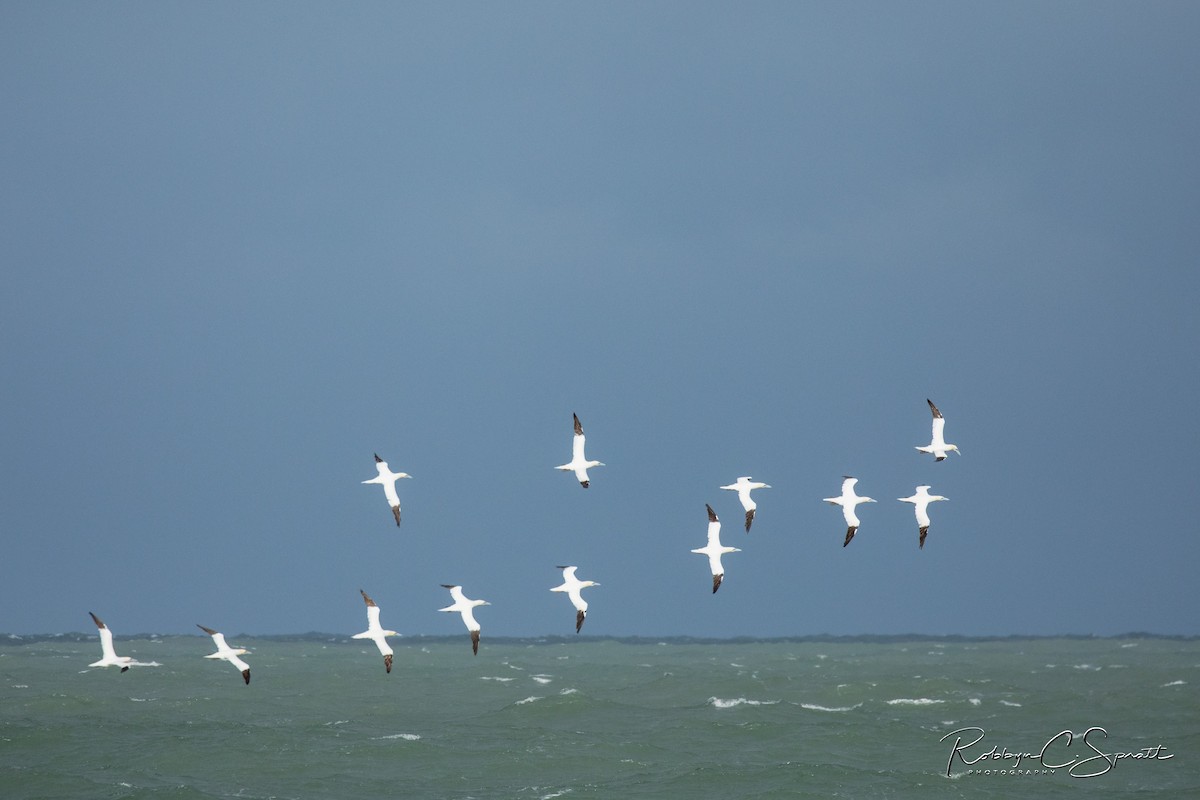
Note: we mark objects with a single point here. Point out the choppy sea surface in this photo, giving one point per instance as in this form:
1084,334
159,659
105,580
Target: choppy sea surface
593,718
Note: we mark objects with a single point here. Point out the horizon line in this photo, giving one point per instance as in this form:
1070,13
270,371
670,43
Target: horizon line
15,638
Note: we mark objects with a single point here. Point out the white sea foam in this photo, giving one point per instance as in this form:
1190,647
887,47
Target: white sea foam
914,701
718,702
569,691
408,737
1176,683
975,701
530,699
1088,667
495,678
1007,703
815,707
543,679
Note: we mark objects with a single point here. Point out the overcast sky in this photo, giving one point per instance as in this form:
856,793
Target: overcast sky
246,246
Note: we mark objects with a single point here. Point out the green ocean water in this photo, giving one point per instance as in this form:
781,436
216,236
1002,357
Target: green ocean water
599,718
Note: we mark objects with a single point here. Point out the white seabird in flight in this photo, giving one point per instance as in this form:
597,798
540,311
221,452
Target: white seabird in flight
714,549
921,500
376,633
110,657
848,500
579,463
464,606
388,479
574,589
227,653
743,487
937,444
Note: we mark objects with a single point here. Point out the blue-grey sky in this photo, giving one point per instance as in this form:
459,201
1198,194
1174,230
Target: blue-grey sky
245,246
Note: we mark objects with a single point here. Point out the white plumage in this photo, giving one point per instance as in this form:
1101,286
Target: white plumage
465,606
579,463
574,589
743,487
376,632
921,500
227,653
937,445
714,550
109,657
388,479
848,500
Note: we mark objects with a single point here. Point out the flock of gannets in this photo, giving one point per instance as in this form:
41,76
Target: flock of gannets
921,499
571,585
